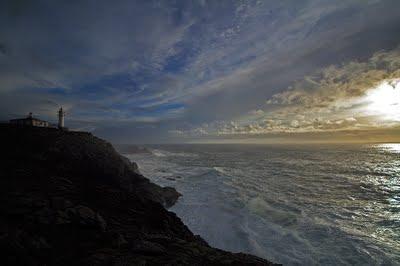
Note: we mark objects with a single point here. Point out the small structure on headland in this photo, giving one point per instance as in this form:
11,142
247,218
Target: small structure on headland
35,122
30,121
61,115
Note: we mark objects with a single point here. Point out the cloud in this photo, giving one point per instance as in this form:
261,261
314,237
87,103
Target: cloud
335,83
73,44
190,65
336,98
257,112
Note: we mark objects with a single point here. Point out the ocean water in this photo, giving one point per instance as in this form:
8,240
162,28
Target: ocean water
296,205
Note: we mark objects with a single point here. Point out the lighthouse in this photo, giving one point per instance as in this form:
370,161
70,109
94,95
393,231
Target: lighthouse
61,115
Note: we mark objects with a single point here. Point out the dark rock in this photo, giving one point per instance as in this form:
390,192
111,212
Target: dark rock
149,248
68,198
62,218
44,216
135,167
86,216
60,203
170,196
100,258
167,196
132,165
119,241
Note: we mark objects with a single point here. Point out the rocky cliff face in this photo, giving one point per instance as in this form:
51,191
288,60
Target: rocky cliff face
68,198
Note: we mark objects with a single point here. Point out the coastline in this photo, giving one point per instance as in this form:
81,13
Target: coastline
70,198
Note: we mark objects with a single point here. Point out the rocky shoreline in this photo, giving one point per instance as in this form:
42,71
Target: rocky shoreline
68,198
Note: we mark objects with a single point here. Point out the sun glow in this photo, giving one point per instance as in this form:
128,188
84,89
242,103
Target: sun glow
384,101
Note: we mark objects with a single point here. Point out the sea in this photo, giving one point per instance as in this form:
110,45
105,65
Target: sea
291,204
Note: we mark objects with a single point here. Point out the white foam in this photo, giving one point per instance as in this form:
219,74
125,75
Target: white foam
295,208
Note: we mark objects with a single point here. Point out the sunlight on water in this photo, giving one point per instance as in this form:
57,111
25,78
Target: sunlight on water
391,147
328,205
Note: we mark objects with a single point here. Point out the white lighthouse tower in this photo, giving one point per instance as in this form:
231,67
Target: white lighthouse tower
61,115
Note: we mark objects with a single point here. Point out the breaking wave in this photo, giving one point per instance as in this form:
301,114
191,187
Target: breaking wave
307,206
163,153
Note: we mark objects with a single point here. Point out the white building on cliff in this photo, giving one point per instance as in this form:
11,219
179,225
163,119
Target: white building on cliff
35,122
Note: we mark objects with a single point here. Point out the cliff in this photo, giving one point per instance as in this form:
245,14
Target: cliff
68,198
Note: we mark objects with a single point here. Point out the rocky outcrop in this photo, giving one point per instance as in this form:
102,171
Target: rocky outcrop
132,165
68,198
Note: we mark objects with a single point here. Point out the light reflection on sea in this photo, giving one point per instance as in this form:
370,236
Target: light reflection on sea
393,147
325,205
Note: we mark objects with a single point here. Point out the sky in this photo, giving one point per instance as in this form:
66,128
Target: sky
206,71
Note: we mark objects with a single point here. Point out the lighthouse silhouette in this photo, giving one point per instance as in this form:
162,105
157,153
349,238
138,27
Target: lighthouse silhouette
61,115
